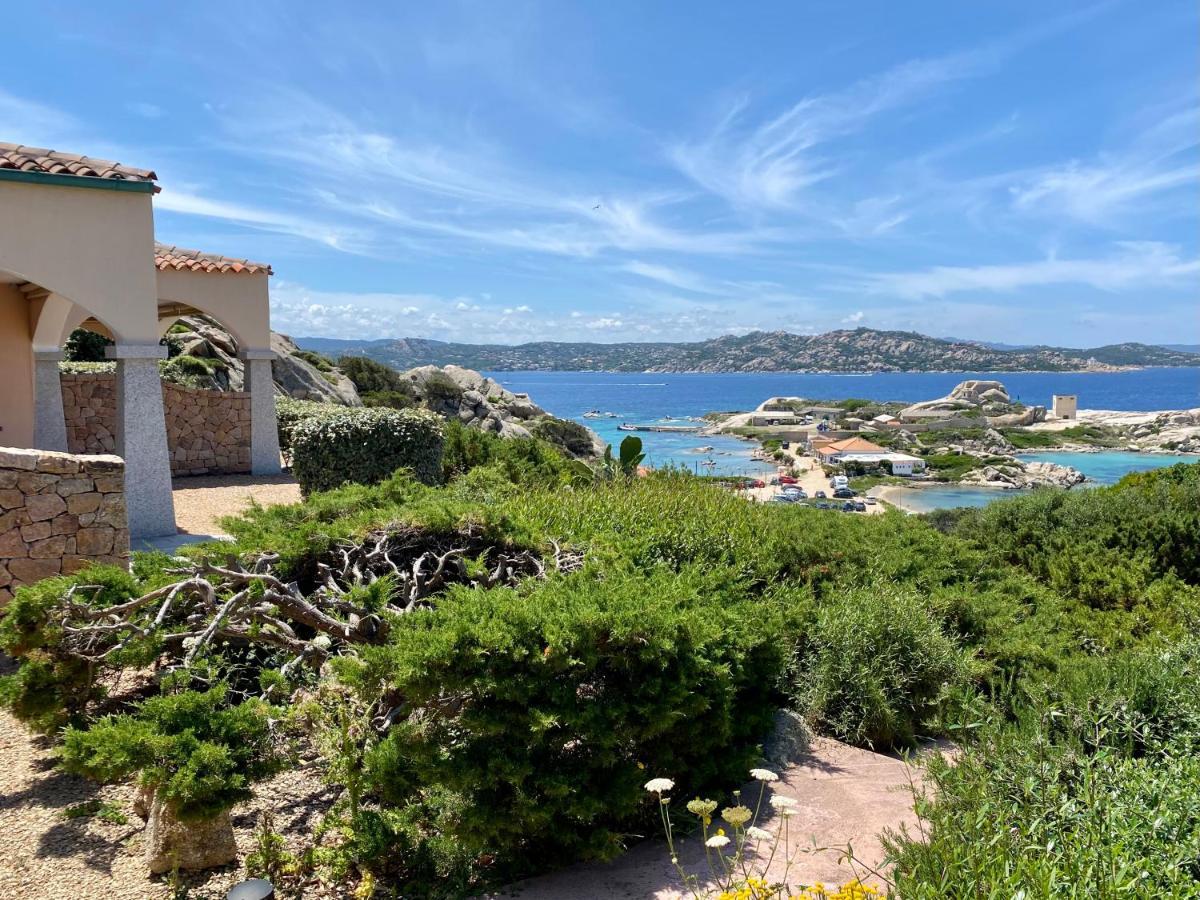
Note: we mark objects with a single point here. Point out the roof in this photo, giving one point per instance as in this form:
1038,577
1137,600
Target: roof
885,417
851,445
167,256
38,160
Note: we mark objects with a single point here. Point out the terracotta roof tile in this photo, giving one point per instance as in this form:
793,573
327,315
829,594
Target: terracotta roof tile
169,257
53,162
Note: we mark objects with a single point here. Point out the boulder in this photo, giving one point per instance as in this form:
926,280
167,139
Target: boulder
789,741
977,392
296,378
172,844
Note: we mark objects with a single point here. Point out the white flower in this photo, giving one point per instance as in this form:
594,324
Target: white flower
781,802
717,841
763,775
659,785
759,834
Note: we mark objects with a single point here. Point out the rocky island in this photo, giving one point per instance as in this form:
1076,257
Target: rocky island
856,350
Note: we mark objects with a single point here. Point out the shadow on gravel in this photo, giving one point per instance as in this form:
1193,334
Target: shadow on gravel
54,790
72,839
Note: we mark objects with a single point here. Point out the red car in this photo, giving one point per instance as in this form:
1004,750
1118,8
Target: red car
787,479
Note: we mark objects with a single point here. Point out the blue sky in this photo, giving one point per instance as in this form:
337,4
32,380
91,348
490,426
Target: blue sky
623,170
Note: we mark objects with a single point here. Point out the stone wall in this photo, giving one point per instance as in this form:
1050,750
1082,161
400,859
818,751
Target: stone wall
58,513
208,432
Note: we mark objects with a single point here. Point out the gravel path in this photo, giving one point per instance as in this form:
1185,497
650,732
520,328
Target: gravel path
201,501
47,855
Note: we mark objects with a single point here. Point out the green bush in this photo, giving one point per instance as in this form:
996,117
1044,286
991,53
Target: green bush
570,436
290,412
442,390
191,371
194,749
522,460
85,346
389,399
874,667
365,446
554,704
370,376
1091,792
50,688
318,361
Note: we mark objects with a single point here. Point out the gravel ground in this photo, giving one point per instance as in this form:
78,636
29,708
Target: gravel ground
201,501
45,854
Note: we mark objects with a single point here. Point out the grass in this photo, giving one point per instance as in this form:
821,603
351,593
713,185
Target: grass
103,810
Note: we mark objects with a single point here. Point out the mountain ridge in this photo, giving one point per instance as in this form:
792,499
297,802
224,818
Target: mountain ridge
857,350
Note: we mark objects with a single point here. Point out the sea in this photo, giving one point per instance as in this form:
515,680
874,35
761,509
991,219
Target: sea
677,400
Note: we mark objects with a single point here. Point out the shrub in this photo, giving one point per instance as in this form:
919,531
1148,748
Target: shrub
290,412
547,705
85,346
522,460
570,436
441,389
191,371
874,667
370,376
318,361
389,399
365,446
52,687
198,752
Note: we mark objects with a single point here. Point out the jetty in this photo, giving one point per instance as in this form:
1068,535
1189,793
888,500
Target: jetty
675,429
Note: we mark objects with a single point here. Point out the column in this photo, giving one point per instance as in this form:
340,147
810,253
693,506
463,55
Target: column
49,422
264,432
142,439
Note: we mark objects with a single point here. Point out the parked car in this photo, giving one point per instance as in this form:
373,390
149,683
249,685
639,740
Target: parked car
820,495
871,501
787,479
859,506
824,505
844,493
847,506
782,498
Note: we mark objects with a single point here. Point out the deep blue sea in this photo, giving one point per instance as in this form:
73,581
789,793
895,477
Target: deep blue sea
648,398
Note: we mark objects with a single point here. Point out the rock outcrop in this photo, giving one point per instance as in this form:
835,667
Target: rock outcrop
294,376
977,398
1015,474
481,402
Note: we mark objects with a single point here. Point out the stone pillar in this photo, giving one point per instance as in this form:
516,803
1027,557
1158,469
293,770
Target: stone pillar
142,440
264,432
49,423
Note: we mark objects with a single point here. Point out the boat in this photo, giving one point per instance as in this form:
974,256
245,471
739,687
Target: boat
625,426
592,414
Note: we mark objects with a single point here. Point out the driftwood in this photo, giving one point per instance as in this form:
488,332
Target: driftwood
242,604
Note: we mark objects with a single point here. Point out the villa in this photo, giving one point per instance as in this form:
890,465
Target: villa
77,250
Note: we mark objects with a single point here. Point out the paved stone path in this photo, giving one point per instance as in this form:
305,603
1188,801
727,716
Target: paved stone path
844,796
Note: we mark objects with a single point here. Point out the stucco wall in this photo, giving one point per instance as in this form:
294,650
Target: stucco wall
108,264
16,369
208,432
58,513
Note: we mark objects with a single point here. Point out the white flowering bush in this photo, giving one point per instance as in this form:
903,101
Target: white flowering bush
355,445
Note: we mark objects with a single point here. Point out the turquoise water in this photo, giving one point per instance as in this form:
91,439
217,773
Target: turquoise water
945,496
1102,468
1108,466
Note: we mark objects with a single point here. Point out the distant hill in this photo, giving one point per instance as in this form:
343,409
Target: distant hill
859,350
1183,348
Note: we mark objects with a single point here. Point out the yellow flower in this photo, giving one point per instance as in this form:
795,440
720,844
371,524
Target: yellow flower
737,816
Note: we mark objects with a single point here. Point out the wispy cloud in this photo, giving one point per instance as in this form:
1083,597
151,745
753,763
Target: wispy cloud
190,204
1136,264
1159,165
769,164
